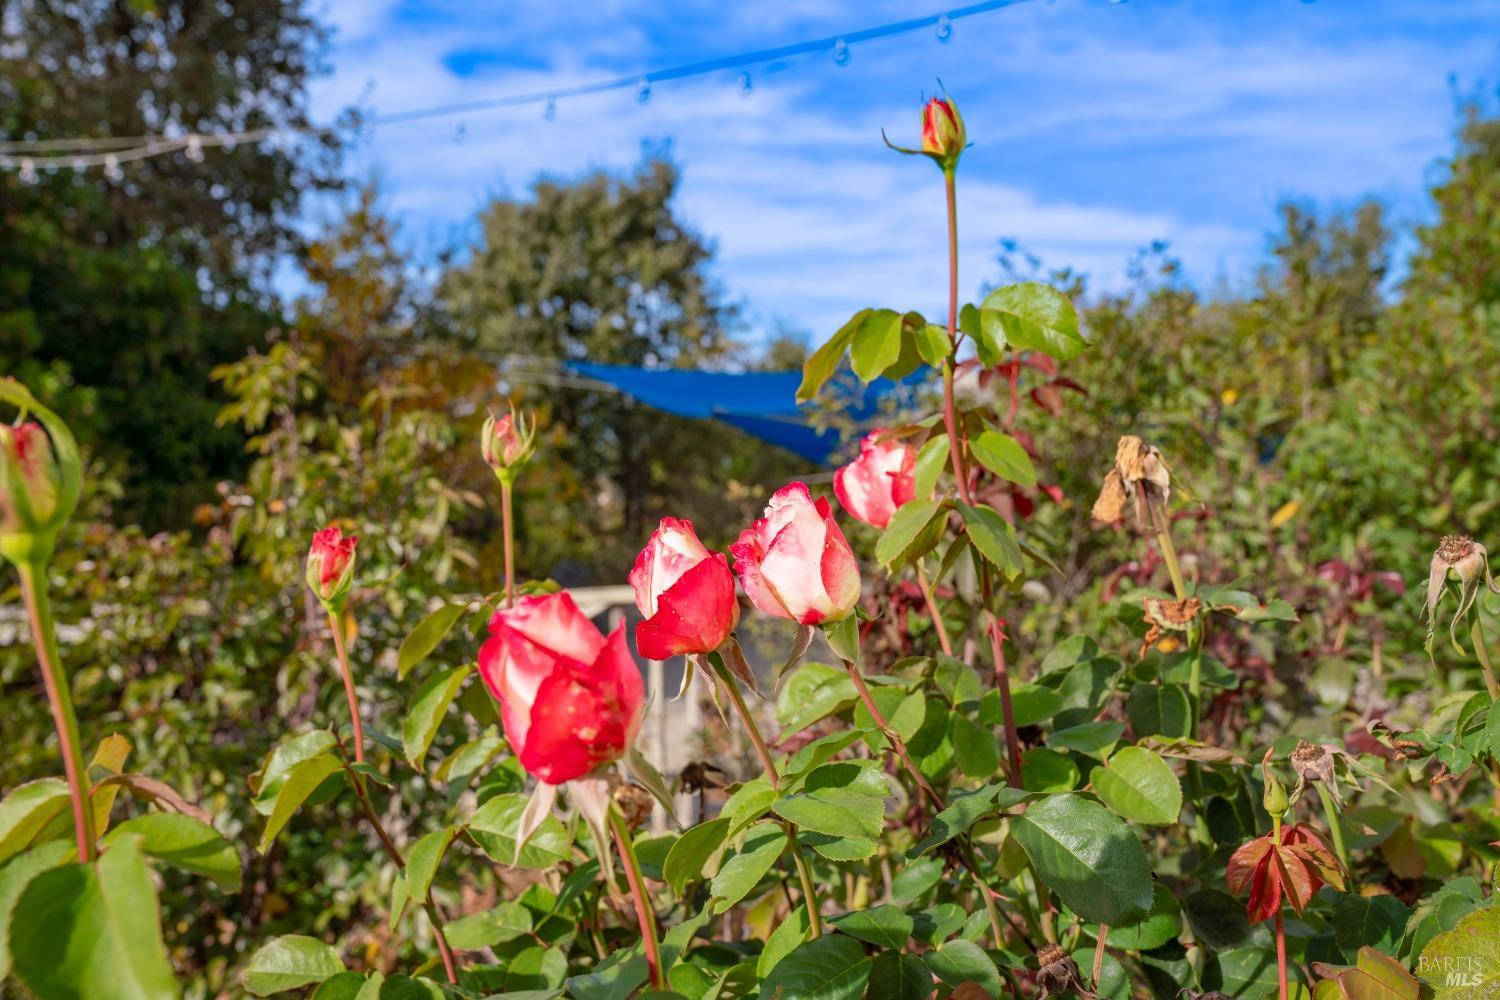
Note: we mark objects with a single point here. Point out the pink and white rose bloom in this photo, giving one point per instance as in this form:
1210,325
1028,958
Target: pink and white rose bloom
685,592
795,562
880,480
571,699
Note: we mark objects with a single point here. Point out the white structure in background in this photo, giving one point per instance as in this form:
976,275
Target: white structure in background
669,736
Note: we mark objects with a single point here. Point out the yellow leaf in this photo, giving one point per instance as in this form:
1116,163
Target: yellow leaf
1285,513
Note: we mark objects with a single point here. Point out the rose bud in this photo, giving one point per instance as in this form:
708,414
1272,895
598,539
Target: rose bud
506,443
685,591
877,482
330,567
942,129
795,562
943,134
571,700
41,476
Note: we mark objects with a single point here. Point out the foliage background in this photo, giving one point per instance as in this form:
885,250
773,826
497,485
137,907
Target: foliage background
1342,409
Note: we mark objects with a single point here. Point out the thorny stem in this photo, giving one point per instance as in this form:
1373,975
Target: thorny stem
804,872
1281,956
1007,707
1482,651
343,654
394,853
932,609
897,744
950,417
643,910
508,525
44,637
1335,828
1099,954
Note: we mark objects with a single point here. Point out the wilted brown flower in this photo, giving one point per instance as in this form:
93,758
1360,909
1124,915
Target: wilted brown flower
1162,614
1462,557
634,803
1059,974
1140,473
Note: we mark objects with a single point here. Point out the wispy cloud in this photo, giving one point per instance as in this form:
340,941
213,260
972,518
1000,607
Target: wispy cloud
1098,127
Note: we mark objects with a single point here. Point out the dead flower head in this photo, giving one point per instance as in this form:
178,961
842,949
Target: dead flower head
1461,558
635,805
1058,973
1331,766
1139,473
1161,614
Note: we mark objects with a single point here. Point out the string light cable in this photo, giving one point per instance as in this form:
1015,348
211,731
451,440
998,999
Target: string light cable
113,152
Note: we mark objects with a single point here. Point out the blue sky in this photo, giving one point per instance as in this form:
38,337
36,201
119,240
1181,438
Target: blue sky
1097,127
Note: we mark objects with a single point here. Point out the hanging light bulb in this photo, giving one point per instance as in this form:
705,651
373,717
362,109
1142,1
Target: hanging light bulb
28,171
746,86
78,164
549,111
112,168
944,28
841,52
643,90
195,149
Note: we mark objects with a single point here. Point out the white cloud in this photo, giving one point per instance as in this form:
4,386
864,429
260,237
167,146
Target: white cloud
813,219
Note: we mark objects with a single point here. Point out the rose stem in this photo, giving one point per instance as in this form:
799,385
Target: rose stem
39,612
804,872
638,893
1482,651
1335,829
394,853
508,524
932,796
932,609
1099,954
343,654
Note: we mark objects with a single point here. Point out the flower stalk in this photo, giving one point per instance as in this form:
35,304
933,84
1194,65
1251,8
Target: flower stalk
508,528
336,624
643,911
59,697
768,764
394,853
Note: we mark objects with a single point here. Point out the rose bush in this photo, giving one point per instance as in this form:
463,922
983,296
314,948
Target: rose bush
936,816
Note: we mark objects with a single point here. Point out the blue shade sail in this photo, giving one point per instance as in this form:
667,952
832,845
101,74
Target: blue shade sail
762,404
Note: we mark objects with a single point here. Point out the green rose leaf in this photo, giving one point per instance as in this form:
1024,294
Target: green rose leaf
832,967
93,930
423,639
994,537
1031,316
186,843
888,926
495,825
27,810
823,362
301,781
291,962
1088,856
743,870
1004,456
1140,786
427,710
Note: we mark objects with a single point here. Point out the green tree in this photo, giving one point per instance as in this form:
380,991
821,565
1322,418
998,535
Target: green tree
134,287
603,270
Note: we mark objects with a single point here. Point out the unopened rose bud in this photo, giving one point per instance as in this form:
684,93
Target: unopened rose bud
943,133
330,567
1275,798
41,476
506,443
942,129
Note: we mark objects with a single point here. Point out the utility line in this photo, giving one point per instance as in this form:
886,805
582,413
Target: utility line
111,152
